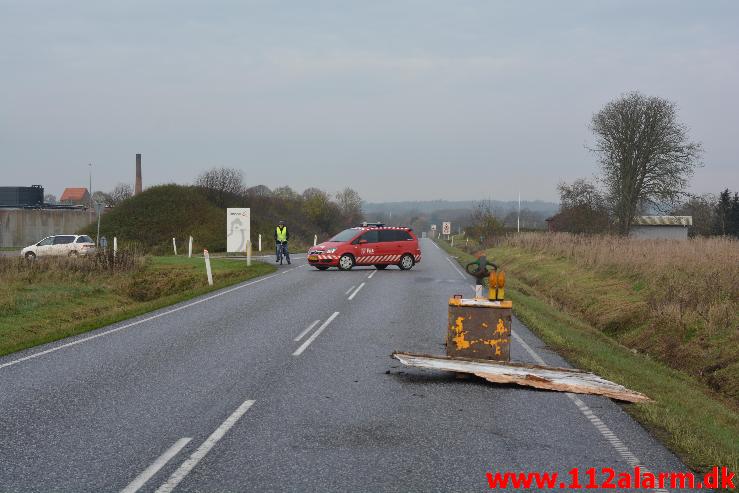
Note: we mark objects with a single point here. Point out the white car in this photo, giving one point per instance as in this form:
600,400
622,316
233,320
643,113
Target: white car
60,245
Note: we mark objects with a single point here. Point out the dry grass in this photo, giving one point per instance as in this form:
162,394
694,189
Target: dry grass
676,300
51,298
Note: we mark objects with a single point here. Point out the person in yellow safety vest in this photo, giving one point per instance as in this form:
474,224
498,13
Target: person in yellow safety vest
282,235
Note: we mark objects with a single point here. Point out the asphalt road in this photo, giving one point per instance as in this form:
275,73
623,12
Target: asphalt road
216,394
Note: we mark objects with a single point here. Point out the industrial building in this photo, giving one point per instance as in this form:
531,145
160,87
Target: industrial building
661,227
32,196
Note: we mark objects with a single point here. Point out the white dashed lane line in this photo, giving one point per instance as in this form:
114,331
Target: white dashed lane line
350,290
154,468
351,296
313,336
308,329
203,450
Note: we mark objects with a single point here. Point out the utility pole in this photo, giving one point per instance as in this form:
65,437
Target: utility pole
90,189
518,219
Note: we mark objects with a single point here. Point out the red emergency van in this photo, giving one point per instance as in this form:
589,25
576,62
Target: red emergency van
369,244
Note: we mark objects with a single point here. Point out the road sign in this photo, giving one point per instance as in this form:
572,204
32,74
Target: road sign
446,228
238,229
433,227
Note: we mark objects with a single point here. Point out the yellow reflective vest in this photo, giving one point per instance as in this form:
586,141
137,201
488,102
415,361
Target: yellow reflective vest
281,234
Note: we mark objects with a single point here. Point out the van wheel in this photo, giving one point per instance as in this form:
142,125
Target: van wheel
380,266
73,253
406,262
346,262
30,256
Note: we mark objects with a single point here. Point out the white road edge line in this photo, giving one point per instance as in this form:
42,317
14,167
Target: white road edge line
313,336
349,290
126,326
372,274
451,262
351,297
308,329
201,452
154,468
602,428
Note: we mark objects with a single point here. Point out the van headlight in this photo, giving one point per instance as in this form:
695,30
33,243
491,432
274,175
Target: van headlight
330,250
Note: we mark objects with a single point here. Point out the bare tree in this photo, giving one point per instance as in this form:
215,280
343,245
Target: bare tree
220,184
50,198
285,193
702,209
121,192
582,208
102,198
312,193
258,191
485,225
350,204
644,152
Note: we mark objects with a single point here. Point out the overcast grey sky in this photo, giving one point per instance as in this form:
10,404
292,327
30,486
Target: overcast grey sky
401,100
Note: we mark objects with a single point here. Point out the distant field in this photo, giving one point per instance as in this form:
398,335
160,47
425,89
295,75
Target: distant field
661,317
52,298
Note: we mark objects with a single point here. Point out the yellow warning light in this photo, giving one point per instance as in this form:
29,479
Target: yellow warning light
493,280
501,280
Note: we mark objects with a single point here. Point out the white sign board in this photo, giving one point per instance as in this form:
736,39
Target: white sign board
238,229
446,228
433,227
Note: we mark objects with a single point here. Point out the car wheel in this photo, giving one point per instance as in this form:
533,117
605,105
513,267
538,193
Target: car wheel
321,267
30,256
406,262
346,262
380,266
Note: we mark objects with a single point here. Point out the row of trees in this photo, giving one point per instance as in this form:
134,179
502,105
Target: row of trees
312,212
713,214
584,209
646,158
150,219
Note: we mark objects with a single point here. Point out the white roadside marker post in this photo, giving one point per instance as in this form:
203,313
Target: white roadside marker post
189,248
174,245
248,253
115,247
315,240
206,256
260,243
452,241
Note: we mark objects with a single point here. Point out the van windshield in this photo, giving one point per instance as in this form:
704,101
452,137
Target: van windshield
345,235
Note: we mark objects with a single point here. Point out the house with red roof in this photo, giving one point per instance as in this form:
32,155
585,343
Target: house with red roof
75,196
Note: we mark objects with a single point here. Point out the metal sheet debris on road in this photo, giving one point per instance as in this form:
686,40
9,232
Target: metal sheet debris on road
540,377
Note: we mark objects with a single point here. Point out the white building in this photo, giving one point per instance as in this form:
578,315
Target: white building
664,227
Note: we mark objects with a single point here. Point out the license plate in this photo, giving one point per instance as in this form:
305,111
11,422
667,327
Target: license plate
312,258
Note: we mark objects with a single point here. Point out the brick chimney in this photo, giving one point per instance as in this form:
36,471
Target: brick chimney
138,187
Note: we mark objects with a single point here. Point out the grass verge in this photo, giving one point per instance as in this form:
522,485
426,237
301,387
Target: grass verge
696,423
43,305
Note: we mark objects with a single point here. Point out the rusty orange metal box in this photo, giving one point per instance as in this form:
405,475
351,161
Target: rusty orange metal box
479,329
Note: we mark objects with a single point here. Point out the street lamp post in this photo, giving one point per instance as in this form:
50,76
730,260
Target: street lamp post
90,165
